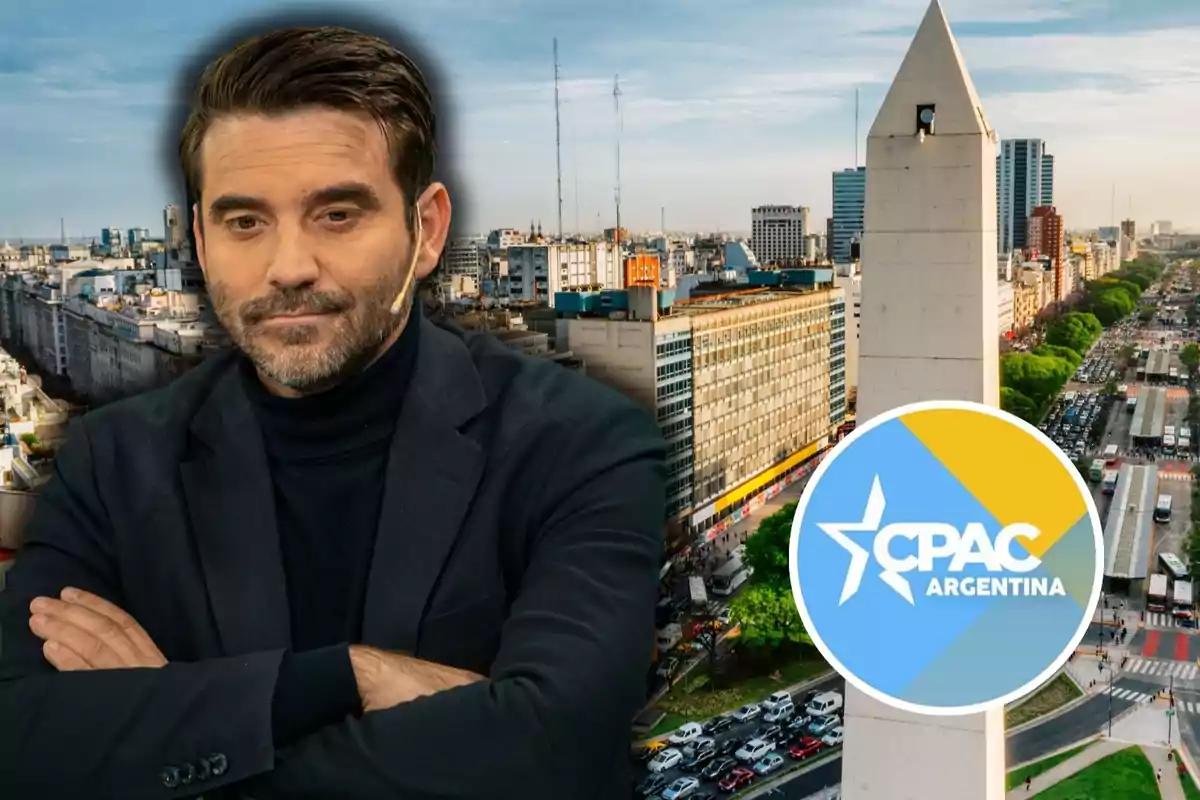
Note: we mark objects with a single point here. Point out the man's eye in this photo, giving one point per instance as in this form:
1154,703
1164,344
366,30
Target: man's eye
339,215
243,223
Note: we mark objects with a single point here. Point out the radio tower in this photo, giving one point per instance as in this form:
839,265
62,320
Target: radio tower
617,113
558,140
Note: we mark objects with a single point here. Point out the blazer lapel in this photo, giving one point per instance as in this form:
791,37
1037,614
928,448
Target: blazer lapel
231,503
432,474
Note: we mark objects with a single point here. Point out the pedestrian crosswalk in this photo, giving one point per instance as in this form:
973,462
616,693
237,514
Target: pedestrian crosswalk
1131,695
1184,670
1174,476
1155,619
1190,706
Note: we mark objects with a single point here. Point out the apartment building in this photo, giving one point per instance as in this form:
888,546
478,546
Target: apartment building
539,271
747,385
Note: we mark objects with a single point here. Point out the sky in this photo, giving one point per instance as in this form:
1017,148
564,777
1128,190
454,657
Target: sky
724,106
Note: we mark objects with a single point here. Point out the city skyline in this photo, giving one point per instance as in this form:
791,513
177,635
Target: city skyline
714,123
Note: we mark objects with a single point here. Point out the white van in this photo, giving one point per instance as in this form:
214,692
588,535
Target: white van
780,711
824,704
775,699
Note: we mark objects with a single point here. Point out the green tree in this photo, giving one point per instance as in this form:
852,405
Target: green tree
1146,313
1037,377
768,617
1018,404
1127,354
1101,285
1189,356
1076,329
1112,305
1055,351
1192,546
767,551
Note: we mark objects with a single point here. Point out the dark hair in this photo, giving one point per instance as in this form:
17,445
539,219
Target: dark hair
331,67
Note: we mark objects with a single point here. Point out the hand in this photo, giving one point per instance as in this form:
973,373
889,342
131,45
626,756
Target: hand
85,632
388,679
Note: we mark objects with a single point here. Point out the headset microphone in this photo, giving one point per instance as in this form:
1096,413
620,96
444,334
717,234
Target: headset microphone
398,303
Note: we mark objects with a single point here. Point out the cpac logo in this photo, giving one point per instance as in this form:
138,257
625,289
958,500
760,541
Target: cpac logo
935,542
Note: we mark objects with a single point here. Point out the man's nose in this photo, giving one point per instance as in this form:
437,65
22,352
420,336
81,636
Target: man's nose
294,261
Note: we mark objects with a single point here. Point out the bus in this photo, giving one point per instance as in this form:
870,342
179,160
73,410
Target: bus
1168,444
1109,484
1156,598
1131,404
1173,375
1173,566
1096,472
1110,453
1184,608
728,578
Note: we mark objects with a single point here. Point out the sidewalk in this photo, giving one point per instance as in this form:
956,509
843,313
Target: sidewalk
1170,787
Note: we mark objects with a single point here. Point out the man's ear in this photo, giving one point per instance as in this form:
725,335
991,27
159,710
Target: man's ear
434,208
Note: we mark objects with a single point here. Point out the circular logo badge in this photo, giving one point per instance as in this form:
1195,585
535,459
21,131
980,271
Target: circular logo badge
946,557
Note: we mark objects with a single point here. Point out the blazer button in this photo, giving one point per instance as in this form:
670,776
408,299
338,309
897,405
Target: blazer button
219,764
187,773
169,777
203,771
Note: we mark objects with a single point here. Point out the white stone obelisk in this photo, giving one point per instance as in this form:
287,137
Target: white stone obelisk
929,331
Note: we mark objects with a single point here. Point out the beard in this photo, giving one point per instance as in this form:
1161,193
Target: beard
299,356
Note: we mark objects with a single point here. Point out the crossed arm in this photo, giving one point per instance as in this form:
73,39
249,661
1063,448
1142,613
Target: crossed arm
89,706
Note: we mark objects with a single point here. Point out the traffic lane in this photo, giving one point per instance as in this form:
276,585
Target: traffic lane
1086,719
740,731
805,785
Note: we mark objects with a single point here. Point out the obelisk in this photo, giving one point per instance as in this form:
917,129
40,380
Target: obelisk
929,331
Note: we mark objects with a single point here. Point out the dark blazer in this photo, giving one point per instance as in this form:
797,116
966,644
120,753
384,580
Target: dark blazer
520,537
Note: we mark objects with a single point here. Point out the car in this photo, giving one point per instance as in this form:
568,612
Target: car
697,761
688,732
681,788
775,699
718,768
705,744
769,733
653,785
748,712
718,724
737,780
668,667
754,749
664,760
769,763
823,725
798,724
728,747
806,747
834,737
780,711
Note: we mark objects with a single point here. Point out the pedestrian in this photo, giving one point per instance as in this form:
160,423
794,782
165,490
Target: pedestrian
1158,775
1028,782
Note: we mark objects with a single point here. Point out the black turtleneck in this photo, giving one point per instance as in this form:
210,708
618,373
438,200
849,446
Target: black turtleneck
328,456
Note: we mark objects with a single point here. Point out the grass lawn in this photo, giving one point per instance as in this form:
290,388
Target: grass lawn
1189,786
1054,694
1125,775
694,699
1017,776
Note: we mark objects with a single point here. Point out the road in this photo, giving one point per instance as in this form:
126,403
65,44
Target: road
804,786
1086,719
744,731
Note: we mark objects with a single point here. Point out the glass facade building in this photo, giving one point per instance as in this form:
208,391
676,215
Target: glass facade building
849,198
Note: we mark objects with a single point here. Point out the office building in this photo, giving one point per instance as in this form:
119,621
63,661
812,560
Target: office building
849,193
1129,228
929,332
1024,181
747,384
777,234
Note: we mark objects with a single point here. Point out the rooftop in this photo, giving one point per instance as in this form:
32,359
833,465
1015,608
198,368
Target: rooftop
1130,517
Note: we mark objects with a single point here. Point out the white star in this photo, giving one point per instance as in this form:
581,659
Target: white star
859,555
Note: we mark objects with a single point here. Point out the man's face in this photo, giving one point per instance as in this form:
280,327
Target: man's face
302,234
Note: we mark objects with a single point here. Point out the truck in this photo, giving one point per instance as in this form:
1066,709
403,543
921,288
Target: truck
1184,608
1156,597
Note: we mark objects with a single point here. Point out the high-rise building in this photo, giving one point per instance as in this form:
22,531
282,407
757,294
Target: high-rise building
929,332
174,220
1044,234
777,234
849,193
1129,228
1024,181
537,272
1162,227
747,386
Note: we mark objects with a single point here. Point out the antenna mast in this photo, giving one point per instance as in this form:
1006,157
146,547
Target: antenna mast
617,113
558,141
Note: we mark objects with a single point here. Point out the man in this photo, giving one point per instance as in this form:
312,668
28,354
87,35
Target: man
366,556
